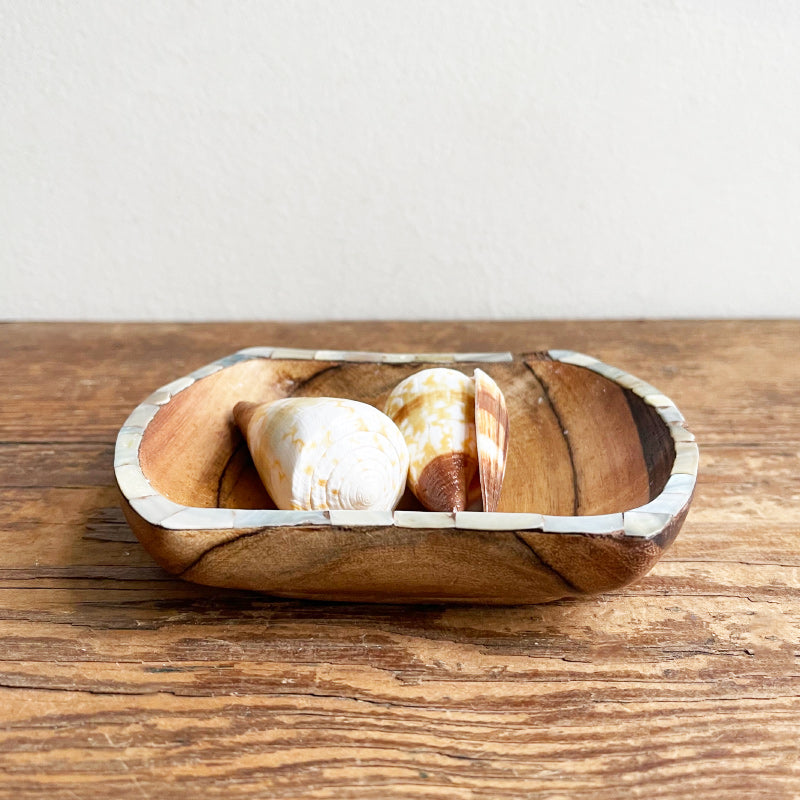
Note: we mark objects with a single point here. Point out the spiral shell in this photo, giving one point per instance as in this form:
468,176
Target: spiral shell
320,453
435,411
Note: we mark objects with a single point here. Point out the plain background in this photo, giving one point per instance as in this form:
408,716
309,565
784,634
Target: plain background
415,159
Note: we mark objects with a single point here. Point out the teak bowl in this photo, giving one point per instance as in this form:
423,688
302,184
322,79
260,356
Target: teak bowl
601,472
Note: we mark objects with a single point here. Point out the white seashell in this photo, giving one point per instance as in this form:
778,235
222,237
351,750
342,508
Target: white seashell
435,411
320,453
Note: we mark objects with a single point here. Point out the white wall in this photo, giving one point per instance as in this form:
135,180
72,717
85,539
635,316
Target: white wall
473,158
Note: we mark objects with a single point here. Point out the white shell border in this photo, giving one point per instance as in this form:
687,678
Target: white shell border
644,522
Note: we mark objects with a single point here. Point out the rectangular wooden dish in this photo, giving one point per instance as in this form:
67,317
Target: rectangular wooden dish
601,472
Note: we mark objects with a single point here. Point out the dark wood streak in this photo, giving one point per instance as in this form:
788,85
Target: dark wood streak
223,476
546,392
542,562
241,536
651,430
300,387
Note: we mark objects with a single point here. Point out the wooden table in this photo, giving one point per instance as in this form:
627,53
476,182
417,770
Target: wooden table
119,681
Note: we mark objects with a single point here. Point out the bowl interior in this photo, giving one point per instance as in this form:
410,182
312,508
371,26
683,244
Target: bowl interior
579,443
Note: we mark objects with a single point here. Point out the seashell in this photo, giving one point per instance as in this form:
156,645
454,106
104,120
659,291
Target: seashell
491,428
435,411
320,453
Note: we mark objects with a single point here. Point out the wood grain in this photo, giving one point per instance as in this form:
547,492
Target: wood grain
605,448
116,680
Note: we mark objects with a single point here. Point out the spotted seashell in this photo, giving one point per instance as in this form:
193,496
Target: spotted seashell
435,411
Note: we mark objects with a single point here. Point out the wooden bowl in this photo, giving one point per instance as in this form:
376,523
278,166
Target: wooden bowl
601,472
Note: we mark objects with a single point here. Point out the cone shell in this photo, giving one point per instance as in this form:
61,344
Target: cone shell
320,453
435,411
491,427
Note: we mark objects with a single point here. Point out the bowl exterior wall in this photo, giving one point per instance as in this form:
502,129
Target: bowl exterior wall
412,565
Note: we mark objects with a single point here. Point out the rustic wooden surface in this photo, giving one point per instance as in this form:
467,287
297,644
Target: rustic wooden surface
117,681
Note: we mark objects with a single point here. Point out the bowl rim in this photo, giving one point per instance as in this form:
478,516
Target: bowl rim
643,522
